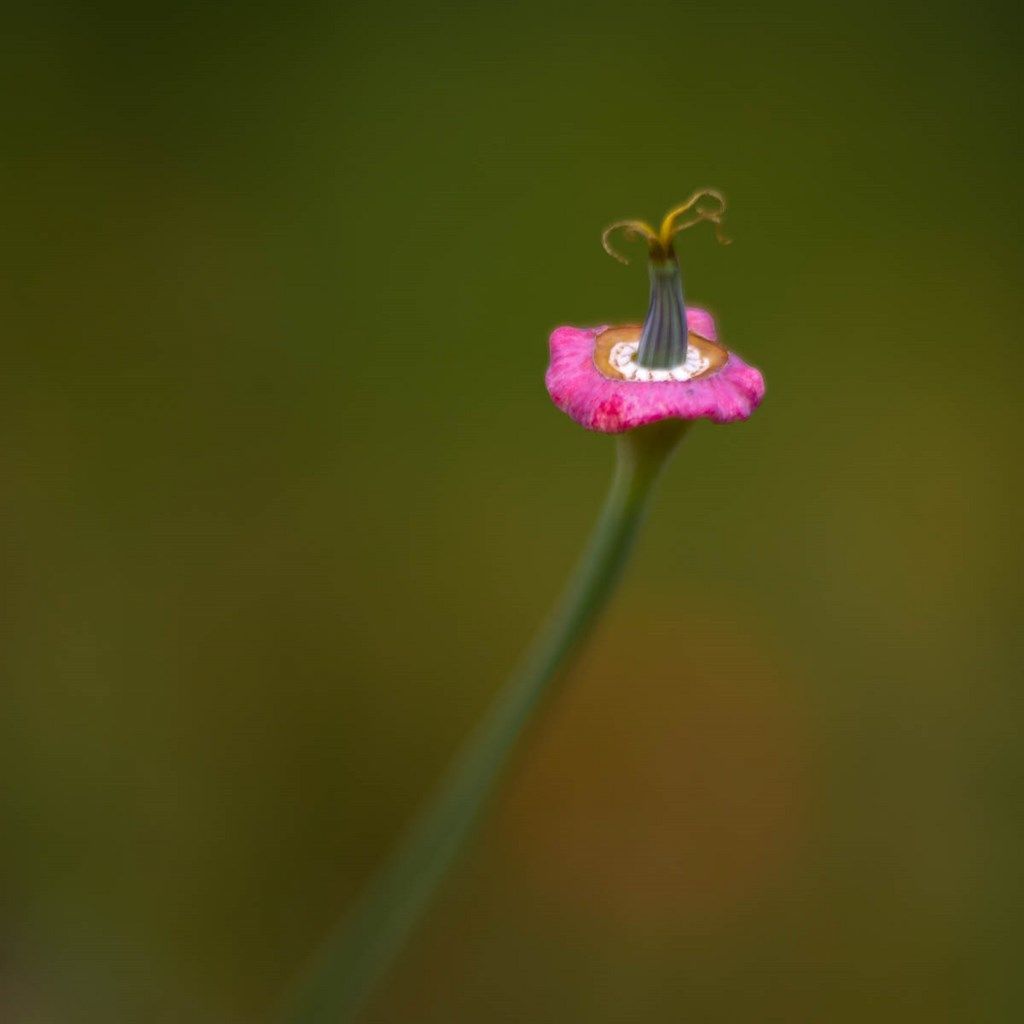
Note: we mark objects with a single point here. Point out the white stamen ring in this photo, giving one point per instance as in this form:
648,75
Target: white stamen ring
622,357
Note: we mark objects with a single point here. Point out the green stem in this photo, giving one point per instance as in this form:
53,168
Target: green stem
358,955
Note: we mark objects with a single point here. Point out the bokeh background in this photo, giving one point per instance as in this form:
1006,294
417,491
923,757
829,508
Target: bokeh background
283,497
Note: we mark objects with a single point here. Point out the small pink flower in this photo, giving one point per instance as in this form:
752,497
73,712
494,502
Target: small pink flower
613,379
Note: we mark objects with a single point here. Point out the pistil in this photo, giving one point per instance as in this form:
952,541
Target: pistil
663,342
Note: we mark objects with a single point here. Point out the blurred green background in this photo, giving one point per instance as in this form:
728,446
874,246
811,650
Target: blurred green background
283,497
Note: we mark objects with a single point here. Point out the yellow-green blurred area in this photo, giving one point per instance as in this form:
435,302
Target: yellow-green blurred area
283,497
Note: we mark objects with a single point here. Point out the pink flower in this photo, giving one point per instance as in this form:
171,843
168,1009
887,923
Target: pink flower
614,404
612,379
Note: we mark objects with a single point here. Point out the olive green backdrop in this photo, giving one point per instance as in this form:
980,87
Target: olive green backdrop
283,497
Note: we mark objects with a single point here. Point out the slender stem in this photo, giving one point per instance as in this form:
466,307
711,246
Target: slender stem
358,955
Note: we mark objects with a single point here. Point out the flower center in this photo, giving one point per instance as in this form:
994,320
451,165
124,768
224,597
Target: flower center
616,357
623,356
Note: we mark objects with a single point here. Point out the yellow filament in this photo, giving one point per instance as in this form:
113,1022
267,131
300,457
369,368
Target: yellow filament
659,243
670,226
633,229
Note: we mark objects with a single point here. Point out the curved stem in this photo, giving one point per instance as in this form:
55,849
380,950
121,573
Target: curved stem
358,955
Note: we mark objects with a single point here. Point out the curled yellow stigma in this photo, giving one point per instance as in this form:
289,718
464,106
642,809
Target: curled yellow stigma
632,229
705,204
